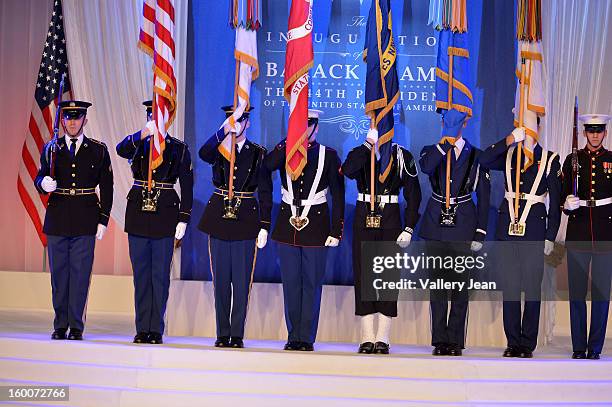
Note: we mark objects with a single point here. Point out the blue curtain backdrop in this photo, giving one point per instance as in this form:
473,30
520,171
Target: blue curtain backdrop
337,88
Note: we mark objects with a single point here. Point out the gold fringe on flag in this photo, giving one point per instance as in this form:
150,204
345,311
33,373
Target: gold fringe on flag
529,20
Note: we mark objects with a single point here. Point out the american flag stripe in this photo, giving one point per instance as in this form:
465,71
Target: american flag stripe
157,40
53,65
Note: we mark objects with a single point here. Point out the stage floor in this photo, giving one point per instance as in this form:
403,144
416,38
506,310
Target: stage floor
108,370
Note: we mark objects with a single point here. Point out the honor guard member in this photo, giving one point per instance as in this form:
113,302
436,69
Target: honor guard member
304,231
455,229
233,225
402,176
527,237
588,203
153,220
71,168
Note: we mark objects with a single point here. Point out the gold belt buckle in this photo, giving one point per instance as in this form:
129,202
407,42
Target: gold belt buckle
516,229
72,191
373,220
591,203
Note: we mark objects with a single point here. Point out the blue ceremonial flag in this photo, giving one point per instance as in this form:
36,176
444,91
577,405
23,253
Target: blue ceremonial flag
382,87
453,45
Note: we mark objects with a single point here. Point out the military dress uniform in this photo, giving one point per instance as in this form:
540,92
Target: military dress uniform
303,252
232,242
74,211
470,225
524,266
402,177
151,234
589,242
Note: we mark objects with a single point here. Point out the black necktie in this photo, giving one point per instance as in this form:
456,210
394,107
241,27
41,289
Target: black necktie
73,142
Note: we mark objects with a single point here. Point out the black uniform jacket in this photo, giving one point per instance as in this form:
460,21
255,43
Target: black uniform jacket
540,224
403,175
467,176
247,166
319,226
77,215
592,226
171,209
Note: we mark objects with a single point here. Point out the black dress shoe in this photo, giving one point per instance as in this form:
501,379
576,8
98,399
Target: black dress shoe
439,350
236,342
525,354
141,337
292,345
155,338
366,347
381,348
59,334
511,352
306,347
454,350
222,342
75,335
593,355
579,355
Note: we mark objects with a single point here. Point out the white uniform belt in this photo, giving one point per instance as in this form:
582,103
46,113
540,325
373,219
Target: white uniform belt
591,203
319,198
452,200
386,199
527,197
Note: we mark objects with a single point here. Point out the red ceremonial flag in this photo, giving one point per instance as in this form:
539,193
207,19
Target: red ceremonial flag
53,64
157,40
298,60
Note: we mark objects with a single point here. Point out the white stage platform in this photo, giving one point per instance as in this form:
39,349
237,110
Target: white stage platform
108,370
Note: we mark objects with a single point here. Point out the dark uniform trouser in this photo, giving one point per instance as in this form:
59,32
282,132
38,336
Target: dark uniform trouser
522,265
578,276
70,261
232,264
302,272
362,307
448,328
151,260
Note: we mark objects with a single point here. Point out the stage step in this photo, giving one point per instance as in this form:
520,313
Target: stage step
117,373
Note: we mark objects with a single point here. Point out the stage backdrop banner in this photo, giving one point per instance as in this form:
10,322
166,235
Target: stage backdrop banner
337,88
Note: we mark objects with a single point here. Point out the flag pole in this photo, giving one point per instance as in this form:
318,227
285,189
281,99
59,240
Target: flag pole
230,192
151,145
450,152
372,166
520,144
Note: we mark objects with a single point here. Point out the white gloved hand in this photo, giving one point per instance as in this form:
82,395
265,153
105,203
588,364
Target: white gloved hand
518,134
331,241
403,240
100,232
548,247
237,128
48,184
262,239
571,203
180,230
476,246
372,136
148,129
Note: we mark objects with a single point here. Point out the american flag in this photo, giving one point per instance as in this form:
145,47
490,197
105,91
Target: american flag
53,64
157,40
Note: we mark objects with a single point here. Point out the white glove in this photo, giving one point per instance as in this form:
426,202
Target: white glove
518,134
48,184
262,239
148,129
372,136
571,203
403,240
476,246
100,232
332,241
180,230
548,247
